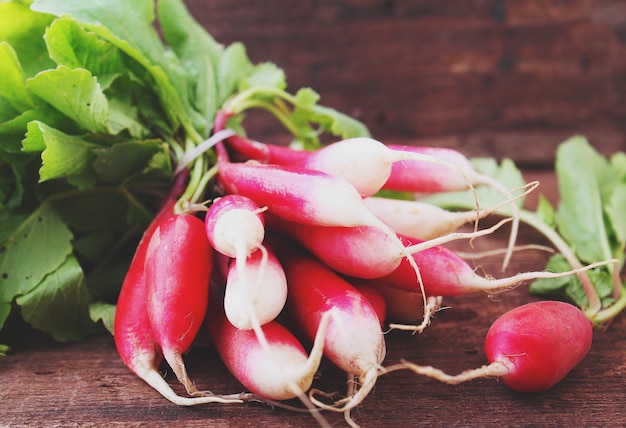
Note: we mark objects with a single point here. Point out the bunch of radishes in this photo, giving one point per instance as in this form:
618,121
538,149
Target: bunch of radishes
301,237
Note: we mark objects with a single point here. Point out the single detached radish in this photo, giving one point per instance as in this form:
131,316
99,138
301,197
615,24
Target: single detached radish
134,339
265,287
354,341
178,268
531,348
279,370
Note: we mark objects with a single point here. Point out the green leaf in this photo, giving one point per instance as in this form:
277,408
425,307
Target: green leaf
72,46
12,84
123,160
199,54
59,305
506,173
4,349
265,75
545,211
105,312
233,67
24,29
129,26
43,237
338,123
62,155
74,92
557,263
580,216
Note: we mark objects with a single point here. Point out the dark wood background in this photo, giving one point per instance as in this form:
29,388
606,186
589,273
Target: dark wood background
489,77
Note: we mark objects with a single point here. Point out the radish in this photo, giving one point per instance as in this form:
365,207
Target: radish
265,153
235,227
280,370
267,290
422,220
416,176
133,336
301,195
354,341
444,273
363,251
365,163
531,348
177,272
375,297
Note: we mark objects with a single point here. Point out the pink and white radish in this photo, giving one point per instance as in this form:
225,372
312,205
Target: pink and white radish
235,227
265,287
416,176
301,195
531,347
178,267
365,163
422,220
133,335
444,273
278,370
362,251
354,341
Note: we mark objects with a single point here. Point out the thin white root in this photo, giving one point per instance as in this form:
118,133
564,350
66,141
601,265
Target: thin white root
355,396
495,369
498,251
154,379
433,305
503,284
454,236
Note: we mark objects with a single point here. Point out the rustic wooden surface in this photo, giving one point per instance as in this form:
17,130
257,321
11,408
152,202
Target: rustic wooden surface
492,78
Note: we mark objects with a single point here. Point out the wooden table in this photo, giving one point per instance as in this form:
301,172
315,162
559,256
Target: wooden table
501,79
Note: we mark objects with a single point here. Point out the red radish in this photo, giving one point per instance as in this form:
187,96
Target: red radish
177,272
354,341
444,273
416,176
365,163
364,251
531,348
301,195
264,153
375,297
422,220
279,370
403,307
133,334
235,226
266,288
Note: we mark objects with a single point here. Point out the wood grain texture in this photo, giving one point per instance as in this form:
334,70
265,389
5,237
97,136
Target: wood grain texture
493,78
